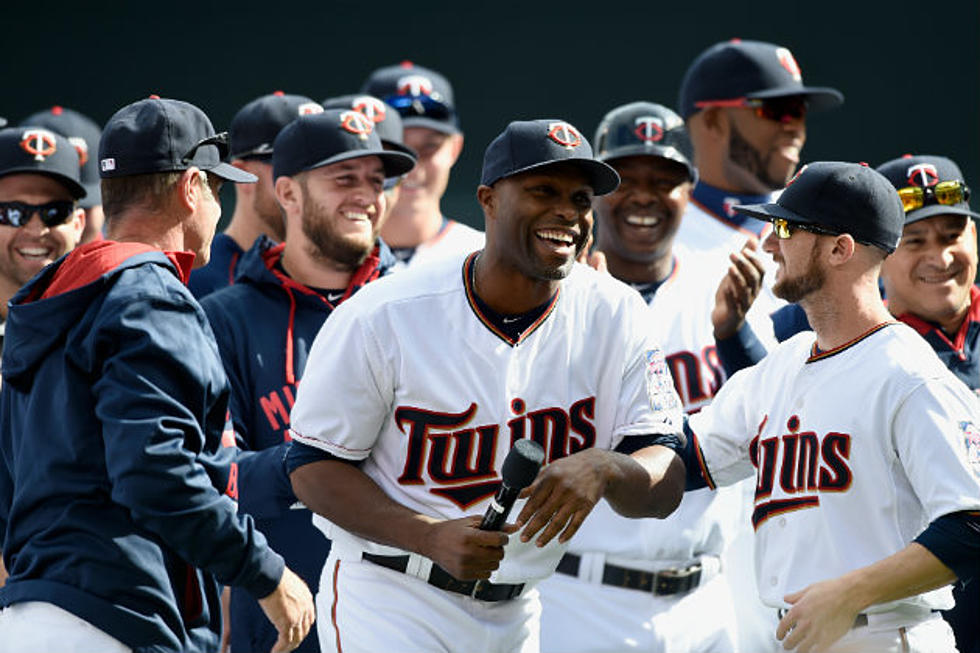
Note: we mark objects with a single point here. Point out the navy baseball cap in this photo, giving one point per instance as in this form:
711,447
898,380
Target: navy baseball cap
82,132
926,172
844,198
739,70
645,129
256,125
387,121
531,144
162,135
40,151
423,97
335,135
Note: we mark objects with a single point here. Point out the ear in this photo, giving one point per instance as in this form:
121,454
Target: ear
716,122
77,224
457,146
189,189
842,250
488,201
288,195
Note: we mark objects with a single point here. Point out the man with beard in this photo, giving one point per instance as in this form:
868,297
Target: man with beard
329,172
648,584
866,507
418,387
251,136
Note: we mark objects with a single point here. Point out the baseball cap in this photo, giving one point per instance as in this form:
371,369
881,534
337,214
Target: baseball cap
840,197
644,128
737,69
163,135
256,125
927,171
531,144
83,133
335,135
423,97
387,121
40,151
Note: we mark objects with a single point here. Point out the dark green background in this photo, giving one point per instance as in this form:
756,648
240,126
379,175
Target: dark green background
908,69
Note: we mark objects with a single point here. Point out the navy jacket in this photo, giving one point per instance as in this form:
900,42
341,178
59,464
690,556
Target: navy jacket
264,325
113,478
221,269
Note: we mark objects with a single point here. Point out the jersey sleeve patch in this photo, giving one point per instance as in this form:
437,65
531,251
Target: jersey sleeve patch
971,442
660,388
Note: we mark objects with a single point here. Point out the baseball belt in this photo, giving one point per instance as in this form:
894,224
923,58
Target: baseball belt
440,578
662,583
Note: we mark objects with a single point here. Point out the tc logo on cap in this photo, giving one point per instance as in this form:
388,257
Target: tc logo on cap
788,62
356,123
649,129
564,134
309,109
923,174
371,107
39,143
414,85
81,147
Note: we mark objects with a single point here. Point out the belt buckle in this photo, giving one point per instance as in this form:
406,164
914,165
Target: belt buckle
677,581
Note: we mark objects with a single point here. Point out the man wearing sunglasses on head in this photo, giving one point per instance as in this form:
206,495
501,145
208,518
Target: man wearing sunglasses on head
416,229
251,134
117,473
40,220
866,506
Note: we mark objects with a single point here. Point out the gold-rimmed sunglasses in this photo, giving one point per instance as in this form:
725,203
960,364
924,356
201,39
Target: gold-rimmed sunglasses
947,193
784,228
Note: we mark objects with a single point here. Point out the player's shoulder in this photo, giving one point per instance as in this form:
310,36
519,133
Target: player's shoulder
585,283
413,285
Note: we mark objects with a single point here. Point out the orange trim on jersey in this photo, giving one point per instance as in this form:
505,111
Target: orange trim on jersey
704,467
817,355
470,297
731,225
333,606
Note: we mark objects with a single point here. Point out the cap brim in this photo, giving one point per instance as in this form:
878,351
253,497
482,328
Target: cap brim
400,147
395,163
430,123
76,189
938,209
670,153
819,98
231,173
602,177
769,211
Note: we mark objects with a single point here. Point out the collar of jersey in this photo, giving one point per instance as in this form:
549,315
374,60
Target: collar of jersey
471,297
717,203
816,354
924,327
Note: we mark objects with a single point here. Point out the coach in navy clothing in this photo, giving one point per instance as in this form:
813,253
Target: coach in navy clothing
117,504
329,171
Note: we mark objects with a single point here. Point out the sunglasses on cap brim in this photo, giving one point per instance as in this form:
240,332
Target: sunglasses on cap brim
52,214
219,140
947,193
419,106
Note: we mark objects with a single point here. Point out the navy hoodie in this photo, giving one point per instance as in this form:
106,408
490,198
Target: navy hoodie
265,324
114,484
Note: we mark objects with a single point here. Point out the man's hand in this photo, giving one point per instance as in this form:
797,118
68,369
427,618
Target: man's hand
563,495
821,614
462,549
290,609
737,290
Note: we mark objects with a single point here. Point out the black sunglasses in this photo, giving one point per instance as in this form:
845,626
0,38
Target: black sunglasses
219,140
17,214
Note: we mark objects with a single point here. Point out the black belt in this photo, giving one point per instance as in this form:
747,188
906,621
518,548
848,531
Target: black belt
662,583
439,577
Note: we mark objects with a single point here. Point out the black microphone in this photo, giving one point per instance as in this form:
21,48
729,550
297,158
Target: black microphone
520,467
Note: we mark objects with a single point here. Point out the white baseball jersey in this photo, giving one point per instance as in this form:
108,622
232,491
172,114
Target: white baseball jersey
411,378
453,239
854,450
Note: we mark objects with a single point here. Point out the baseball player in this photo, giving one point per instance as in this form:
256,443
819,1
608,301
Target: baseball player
119,522
416,230
251,134
329,181
865,506
84,134
432,374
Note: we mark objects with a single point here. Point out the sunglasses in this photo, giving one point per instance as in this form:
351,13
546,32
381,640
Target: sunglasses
945,192
17,214
219,141
419,105
785,109
784,228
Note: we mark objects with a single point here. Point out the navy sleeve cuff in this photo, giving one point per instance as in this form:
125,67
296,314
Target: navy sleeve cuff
303,454
673,441
695,476
955,540
741,350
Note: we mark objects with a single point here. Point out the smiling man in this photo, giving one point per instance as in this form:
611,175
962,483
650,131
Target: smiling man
40,219
329,172
418,386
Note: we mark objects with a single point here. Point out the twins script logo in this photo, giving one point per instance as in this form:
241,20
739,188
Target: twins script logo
806,465
39,143
356,122
459,459
371,107
564,134
649,129
923,174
